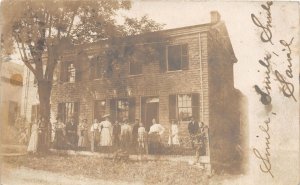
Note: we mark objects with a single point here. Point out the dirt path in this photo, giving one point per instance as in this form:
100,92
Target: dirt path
26,176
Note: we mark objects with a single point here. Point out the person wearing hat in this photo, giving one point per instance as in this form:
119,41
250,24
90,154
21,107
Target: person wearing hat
173,134
193,128
126,132
83,134
105,128
59,137
71,133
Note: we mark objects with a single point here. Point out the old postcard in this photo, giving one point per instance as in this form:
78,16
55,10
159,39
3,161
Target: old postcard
149,92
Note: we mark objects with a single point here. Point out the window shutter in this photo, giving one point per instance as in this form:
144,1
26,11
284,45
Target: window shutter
76,111
63,72
184,57
77,73
61,112
92,70
195,105
113,110
131,115
172,107
162,59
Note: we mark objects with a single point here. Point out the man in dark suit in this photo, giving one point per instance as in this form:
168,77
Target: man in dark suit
193,128
71,133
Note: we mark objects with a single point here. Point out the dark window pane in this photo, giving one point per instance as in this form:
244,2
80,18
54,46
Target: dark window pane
131,109
135,67
99,109
162,57
174,58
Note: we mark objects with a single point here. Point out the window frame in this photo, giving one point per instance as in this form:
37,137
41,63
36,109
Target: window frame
69,72
129,68
131,111
102,111
63,115
181,56
97,73
192,107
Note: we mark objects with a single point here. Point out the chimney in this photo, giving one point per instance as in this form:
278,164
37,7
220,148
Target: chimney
214,17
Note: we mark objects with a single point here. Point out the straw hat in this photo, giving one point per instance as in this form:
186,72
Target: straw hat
105,116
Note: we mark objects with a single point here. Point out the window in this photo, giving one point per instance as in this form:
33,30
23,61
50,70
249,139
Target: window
135,67
68,110
69,72
99,109
177,57
183,106
122,108
96,71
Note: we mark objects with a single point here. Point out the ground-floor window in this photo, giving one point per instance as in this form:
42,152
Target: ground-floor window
99,109
68,110
183,106
121,109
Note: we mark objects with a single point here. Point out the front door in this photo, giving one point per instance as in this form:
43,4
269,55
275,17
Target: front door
150,110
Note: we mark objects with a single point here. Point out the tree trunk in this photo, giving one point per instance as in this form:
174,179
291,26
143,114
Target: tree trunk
44,91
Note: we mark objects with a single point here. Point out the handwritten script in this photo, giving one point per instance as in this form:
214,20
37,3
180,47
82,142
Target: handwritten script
264,24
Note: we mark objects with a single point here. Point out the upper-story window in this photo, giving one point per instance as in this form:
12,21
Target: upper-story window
135,67
69,72
96,70
177,57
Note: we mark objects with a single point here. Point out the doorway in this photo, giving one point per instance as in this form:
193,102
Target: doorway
150,110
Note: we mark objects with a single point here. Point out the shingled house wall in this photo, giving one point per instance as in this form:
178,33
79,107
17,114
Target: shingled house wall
152,82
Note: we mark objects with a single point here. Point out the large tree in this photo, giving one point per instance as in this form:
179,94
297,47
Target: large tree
41,30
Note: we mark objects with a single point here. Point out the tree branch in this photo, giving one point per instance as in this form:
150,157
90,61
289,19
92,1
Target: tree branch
72,22
24,57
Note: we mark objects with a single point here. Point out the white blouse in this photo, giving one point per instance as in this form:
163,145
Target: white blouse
157,128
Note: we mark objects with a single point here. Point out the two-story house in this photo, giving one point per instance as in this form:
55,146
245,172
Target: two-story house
193,76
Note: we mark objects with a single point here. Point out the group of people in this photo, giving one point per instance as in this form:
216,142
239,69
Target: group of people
120,135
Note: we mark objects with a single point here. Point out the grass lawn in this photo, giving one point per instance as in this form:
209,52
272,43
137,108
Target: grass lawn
149,172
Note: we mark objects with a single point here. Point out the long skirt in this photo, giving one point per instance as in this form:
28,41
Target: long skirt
83,139
105,137
33,142
59,139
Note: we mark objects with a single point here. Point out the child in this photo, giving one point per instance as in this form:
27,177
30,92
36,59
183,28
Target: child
142,140
173,137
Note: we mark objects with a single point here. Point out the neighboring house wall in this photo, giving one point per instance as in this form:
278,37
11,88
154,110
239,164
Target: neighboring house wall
11,93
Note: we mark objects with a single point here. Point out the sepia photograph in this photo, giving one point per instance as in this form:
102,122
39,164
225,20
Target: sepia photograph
149,92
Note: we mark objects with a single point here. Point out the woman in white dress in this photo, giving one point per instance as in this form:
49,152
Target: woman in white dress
173,134
33,141
94,133
105,128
